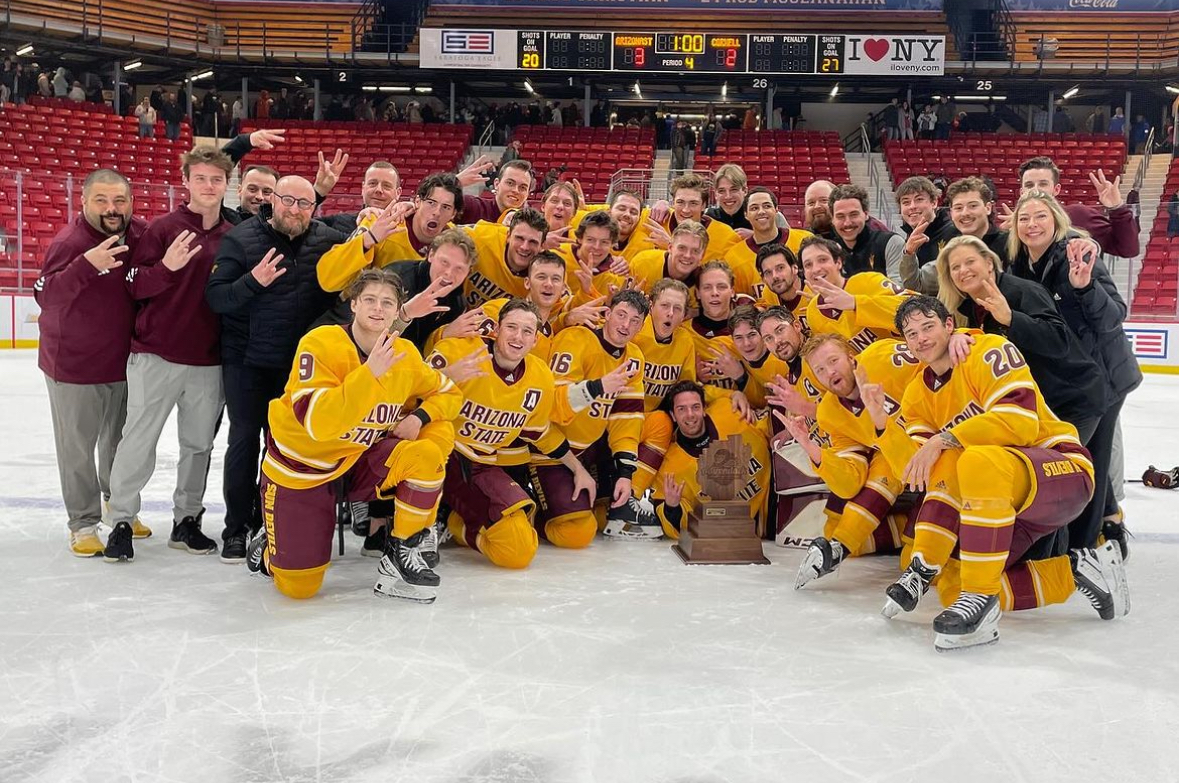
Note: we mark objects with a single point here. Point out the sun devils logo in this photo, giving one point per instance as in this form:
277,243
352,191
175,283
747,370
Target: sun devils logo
531,399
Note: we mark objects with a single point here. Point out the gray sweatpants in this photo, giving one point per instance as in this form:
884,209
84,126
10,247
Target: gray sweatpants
154,387
1117,465
86,417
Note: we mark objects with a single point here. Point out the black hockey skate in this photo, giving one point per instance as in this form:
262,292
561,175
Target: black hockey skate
634,519
821,558
904,593
255,554
972,621
1100,577
403,573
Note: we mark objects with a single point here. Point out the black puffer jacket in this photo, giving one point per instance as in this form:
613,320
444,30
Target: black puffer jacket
1073,384
1094,313
261,326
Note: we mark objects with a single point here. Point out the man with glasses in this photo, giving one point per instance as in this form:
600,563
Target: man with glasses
264,287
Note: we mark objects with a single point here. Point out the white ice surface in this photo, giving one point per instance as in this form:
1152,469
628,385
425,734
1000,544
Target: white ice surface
615,663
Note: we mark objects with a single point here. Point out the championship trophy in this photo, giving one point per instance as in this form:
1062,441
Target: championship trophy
720,529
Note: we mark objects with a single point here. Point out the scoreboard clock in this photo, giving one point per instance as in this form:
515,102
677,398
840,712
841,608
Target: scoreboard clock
675,52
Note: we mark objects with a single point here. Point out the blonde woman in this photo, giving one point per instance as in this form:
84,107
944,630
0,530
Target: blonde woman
1085,295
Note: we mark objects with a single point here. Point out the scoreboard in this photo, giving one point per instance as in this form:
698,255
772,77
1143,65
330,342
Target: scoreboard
768,53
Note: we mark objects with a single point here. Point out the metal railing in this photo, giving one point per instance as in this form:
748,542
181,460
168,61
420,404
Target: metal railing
1144,164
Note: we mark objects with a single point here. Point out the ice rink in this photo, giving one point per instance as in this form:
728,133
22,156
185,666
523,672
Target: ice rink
613,664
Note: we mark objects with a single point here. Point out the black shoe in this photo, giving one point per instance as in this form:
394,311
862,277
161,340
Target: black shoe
403,573
1116,532
233,550
118,544
187,535
255,554
374,543
822,558
971,621
904,593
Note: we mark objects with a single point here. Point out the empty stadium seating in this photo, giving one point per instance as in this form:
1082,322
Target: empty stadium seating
416,150
54,144
591,155
1157,291
999,156
1096,36
783,161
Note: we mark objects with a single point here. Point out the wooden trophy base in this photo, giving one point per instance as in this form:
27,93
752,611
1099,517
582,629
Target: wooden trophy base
720,532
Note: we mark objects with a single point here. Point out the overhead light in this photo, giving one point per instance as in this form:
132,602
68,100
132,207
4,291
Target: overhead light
199,76
25,50
131,66
1173,89
1071,92
835,90
979,98
298,78
369,87
638,91
724,91
424,90
528,86
393,88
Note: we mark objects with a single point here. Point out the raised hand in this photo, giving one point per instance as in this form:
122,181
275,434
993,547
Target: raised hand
382,357
872,395
617,379
1108,193
917,238
267,270
589,314
783,394
994,303
580,191
660,210
179,253
725,365
794,424
832,295
105,255
743,408
657,234
619,266
555,238
466,325
473,174
426,301
266,139
584,274
467,367
391,218
1003,218
1080,270
329,171
673,491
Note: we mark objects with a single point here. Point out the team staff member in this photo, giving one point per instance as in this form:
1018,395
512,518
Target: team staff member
342,415
264,289
979,436
867,249
87,316
917,201
508,402
381,187
175,357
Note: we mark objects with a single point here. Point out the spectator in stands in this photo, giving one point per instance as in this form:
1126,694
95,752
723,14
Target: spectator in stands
1173,220
280,107
77,94
599,114
210,107
147,118
1062,121
413,113
1113,224
1095,122
945,117
1090,304
892,120
509,191
1117,123
907,121
262,105
926,229
556,116
265,290
1139,133
44,85
85,324
710,135
927,123
173,115
237,114
175,356
61,83
868,250
750,121
513,151
683,141
7,81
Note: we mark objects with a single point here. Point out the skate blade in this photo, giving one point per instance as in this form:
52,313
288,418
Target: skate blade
372,552
392,587
1112,563
891,609
955,642
628,531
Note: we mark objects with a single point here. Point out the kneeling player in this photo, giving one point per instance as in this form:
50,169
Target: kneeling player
851,465
339,430
1000,471
509,402
677,488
